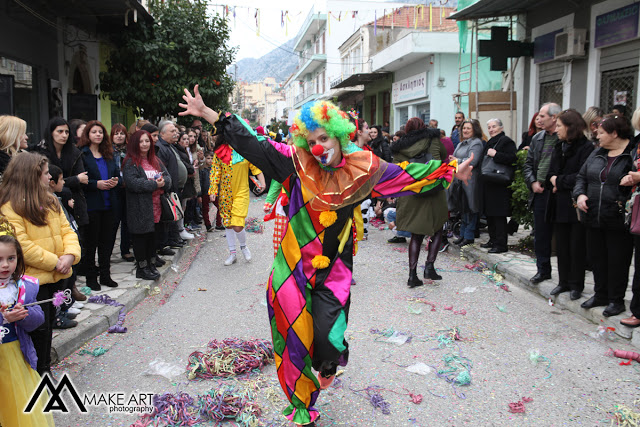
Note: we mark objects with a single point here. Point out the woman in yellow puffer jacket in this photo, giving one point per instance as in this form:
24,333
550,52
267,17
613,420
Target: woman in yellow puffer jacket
49,244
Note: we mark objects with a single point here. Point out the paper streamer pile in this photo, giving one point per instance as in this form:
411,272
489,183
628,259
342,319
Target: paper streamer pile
181,409
230,358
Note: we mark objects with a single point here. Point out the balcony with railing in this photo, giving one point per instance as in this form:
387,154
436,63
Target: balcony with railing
310,64
307,95
310,27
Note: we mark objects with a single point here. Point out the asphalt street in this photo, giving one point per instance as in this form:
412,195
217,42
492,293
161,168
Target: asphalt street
512,344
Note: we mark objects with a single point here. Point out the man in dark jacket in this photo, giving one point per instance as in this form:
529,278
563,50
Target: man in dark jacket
535,172
455,130
168,136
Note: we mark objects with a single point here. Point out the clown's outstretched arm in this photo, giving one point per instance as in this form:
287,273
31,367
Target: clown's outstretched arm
255,148
418,178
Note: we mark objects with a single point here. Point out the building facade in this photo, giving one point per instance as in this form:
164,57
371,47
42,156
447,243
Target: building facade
585,54
50,63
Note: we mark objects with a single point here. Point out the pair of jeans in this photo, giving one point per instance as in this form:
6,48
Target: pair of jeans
99,236
542,233
390,216
610,252
468,225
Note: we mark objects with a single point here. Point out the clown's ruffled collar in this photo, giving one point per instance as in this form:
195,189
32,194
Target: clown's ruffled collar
341,186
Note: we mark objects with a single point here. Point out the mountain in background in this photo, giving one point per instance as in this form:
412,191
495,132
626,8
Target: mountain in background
279,64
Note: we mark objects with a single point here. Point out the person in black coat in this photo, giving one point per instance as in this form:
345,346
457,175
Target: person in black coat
104,175
496,196
379,144
145,178
567,159
59,148
602,199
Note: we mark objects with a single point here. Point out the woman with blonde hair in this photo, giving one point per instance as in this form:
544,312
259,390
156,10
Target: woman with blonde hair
592,118
13,137
49,244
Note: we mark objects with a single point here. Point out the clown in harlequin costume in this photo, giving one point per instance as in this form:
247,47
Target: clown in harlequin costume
230,172
308,293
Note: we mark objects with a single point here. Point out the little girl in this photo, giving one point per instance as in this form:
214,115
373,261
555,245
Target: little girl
18,378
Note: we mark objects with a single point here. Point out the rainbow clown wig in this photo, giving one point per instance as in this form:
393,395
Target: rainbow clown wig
323,114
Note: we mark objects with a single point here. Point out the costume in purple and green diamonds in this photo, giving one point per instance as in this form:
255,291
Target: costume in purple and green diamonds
309,306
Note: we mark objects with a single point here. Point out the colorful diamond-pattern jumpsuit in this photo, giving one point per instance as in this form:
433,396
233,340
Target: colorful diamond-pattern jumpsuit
308,307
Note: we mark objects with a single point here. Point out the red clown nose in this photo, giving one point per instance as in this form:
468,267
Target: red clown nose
317,150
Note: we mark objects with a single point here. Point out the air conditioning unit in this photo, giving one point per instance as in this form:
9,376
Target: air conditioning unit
570,44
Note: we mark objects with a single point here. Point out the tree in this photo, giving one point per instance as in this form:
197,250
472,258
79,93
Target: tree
520,197
152,63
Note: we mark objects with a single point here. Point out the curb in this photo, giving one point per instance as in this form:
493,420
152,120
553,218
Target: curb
518,276
101,319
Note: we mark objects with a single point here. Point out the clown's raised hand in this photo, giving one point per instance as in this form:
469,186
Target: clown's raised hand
464,170
195,106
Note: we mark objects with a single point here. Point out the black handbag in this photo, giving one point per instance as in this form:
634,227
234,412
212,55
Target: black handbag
171,209
496,173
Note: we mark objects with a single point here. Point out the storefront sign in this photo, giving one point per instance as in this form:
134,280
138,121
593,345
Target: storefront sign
544,47
617,26
412,88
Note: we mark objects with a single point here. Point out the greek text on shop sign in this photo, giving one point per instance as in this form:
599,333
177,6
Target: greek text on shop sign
617,26
412,88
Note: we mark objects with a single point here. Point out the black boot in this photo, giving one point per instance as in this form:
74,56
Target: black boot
430,272
414,281
415,244
159,262
105,279
434,247
92,283
143,271
153,269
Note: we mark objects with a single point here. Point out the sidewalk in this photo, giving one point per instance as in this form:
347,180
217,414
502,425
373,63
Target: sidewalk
518,268
95,319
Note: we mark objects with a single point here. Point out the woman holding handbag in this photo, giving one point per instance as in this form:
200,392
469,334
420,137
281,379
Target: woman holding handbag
145,179
600,196
498,160
567,158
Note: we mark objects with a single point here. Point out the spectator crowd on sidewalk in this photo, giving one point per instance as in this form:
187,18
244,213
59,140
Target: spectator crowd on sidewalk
69,194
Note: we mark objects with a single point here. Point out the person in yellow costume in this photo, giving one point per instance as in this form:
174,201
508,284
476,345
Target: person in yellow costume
230,173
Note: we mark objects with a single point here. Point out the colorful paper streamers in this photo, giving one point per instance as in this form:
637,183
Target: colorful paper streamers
181,409
254,225
150,291
536,357
518,407
625,416
107,300
629,355
230,358
457,368
99,351
375,398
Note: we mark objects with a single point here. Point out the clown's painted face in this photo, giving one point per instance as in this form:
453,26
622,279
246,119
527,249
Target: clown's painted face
331,154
